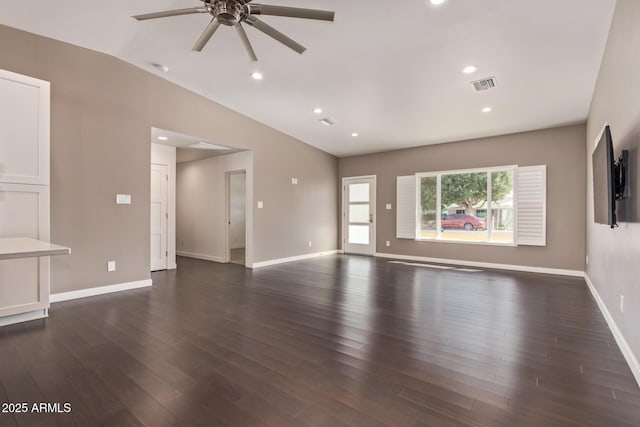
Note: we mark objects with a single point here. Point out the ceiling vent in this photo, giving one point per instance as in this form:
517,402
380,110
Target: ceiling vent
328,121
484,84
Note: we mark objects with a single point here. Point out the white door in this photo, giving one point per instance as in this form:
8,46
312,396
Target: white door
359,228
159,214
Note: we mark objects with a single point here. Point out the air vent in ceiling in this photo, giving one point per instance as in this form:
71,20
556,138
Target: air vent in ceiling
328,121
484,84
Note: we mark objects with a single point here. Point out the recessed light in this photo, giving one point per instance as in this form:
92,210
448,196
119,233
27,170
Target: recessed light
355,134
163,138
256,75
486,109
470,69
437,2
317,110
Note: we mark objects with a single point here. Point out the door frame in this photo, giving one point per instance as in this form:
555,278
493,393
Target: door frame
345,204
227,214
166,217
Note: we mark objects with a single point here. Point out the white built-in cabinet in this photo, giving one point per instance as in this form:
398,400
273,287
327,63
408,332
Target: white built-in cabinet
24,192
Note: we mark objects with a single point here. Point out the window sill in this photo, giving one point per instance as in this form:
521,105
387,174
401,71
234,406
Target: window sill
465,242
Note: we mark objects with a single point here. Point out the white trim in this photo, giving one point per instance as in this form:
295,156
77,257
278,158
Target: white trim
468,242
172,267
474,170
510,267
358,177
631,358
203,257
373,203
101,290
24,317
227,213
293,258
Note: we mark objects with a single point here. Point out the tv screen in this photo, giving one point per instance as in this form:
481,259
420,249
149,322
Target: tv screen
604,192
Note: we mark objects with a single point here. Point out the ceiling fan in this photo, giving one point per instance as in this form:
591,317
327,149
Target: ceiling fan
233,13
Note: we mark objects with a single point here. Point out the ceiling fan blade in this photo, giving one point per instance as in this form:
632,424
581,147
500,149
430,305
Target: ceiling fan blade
245,42
168,13
291,12
206,35
273,33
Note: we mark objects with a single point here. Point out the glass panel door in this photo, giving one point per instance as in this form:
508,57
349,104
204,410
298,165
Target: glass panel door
359,216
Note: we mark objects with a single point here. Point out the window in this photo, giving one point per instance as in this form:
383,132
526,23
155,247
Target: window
514,209
467,206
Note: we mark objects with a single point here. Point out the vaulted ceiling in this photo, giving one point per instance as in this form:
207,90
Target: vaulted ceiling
389,71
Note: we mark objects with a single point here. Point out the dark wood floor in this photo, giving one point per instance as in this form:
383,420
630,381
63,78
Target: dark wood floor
332,341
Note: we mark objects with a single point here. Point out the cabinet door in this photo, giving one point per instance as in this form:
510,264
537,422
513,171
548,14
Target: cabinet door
24,129
24,283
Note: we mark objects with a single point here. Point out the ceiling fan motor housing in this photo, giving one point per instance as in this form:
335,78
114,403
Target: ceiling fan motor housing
229,12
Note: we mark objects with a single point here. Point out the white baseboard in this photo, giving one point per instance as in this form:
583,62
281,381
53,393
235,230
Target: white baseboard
631,358
510,267
293,258
172,266
24,317
202,257
101,290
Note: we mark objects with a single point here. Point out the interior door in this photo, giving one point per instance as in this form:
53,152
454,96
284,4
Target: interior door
159,214
359,195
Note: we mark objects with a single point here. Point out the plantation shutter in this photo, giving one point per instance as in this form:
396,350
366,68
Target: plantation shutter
532,206
406,207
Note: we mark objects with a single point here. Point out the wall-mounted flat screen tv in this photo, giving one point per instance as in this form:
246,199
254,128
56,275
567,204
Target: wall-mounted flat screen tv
604,182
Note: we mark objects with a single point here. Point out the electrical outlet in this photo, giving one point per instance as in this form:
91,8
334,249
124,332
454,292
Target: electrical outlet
294,181
111,266
388,243
389,206
309,243
260,205
622,303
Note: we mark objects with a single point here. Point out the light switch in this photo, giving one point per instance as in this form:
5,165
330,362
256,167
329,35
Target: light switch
389,207
260,205
123,199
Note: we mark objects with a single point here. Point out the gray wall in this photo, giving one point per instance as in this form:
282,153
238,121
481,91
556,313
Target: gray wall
201,205
102,112
561,149
614,255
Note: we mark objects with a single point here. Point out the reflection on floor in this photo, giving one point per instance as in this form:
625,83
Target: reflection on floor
237,256
332,341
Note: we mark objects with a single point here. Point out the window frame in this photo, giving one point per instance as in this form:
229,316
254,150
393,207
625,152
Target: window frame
489,171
